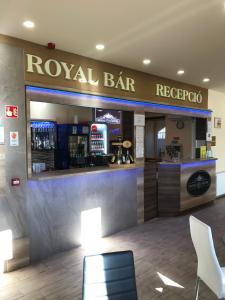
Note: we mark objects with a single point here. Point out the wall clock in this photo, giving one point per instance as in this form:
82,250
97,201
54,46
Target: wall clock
180,124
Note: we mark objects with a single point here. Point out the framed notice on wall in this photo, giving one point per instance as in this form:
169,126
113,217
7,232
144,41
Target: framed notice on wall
2,135
217,122
14,138
139,120
139,142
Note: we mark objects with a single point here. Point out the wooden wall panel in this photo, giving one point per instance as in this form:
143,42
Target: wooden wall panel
150,191
168,189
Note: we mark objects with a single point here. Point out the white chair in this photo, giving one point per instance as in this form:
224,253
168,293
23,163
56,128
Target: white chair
209,270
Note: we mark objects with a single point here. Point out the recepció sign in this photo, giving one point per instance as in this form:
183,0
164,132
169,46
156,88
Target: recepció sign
178,93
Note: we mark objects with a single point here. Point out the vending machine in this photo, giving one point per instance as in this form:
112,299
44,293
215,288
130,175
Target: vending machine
98,139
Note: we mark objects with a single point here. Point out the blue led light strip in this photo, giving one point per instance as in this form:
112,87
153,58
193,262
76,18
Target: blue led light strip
188,165
193,111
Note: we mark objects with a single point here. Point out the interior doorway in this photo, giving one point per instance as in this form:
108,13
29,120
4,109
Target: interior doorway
155,144
155,136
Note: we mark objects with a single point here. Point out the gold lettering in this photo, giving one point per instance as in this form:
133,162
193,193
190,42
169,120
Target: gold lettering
80,75
185,94
166,91
159,90
120,82
90,78
34,61
109,80
173,93
180,94
67,69
130,84
199,97
55,64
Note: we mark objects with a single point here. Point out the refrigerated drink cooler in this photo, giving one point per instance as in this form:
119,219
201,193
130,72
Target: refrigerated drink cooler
78,150
43,144
98,139
98,144
72,146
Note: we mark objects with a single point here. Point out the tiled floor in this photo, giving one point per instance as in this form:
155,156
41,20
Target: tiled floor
161,245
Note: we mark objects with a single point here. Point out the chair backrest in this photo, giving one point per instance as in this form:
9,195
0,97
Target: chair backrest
109,276
208,266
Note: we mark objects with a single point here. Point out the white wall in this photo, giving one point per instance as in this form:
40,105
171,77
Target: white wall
217,105
59,113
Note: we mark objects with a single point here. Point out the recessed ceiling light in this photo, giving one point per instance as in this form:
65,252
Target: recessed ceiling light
28,24
146,61
206,80
100,47
180,72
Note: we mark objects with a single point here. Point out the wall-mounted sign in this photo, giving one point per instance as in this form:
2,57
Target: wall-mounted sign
217,122
11,111
107,116
198,183
14,138
178,93
2,135
55,68
208,137
139,141
67,71
139,120
213,140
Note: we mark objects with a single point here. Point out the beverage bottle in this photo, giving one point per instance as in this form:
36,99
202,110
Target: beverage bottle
128,158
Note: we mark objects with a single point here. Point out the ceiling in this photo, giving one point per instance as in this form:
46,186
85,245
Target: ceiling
174,34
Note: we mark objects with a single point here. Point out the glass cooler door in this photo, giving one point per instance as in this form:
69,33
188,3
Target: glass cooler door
98,139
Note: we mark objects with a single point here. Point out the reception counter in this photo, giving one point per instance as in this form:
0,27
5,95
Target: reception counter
185,185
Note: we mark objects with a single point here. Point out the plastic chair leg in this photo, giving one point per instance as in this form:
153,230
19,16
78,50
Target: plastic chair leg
197,288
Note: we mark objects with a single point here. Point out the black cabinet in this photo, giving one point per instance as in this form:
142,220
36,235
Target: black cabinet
201,128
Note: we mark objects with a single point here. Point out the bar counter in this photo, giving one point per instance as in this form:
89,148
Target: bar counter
82,171
185,185
58,199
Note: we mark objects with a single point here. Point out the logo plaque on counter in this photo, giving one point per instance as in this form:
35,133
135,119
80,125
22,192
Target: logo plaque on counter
198,183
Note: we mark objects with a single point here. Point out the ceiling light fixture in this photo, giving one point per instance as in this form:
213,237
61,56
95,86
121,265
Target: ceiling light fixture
180,72
206,80
146,61
28,24
100,47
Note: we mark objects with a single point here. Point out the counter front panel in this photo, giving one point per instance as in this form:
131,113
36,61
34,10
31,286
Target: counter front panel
182,186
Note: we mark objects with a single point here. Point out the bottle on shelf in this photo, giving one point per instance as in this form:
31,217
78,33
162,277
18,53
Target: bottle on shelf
127,161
